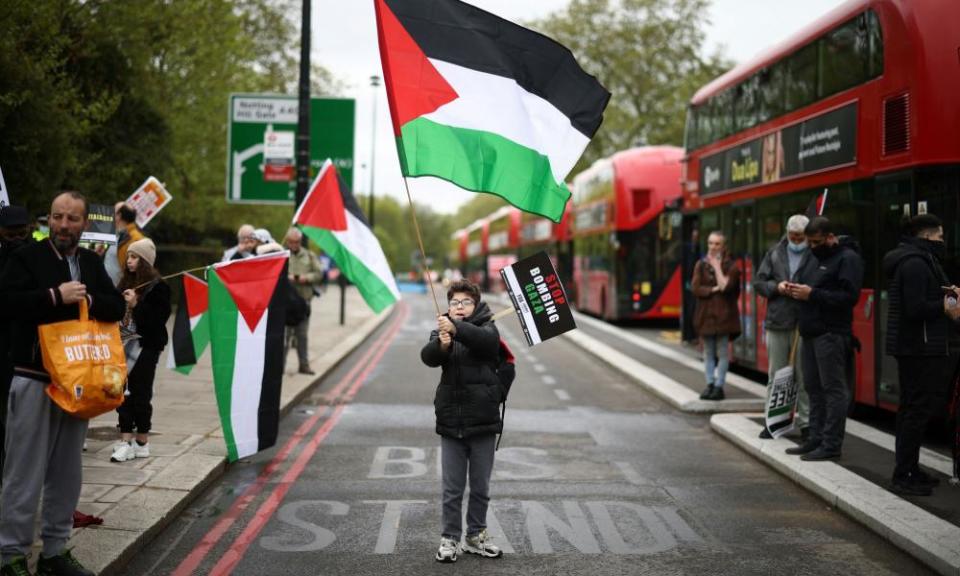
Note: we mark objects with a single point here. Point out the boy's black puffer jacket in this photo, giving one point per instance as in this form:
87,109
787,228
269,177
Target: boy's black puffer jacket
467,402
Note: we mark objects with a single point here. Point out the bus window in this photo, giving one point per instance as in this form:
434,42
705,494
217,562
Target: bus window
690,132
844,56
875,67
721,112
801,82
771,81
746,97
772,222
939,190
851,210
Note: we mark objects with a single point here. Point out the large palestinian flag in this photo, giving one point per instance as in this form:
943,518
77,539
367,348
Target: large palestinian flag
485,104
331,217
247,310
191,326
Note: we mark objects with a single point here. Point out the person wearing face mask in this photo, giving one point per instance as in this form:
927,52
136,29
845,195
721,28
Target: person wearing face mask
716,284
828,289
780,266
918,336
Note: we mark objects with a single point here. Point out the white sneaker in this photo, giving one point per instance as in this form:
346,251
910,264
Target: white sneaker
480,544
141,451
123,452
448,551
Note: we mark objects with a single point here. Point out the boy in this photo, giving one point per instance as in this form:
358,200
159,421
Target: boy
466,345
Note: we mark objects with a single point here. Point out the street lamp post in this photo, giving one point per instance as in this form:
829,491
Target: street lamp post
375,83
303,113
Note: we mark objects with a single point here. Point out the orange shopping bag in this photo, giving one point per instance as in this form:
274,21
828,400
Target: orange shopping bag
86,364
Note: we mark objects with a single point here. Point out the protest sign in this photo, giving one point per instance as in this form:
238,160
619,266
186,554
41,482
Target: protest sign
539,298
781,409
4,195
148,200
101,228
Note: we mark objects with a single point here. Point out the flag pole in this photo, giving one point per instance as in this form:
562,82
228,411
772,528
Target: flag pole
423,253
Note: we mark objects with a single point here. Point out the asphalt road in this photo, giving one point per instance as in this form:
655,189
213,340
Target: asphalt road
593,476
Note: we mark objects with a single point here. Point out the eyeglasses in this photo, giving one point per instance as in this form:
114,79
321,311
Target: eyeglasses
466,303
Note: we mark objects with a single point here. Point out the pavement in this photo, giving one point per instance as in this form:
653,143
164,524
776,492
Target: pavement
857,484
138,499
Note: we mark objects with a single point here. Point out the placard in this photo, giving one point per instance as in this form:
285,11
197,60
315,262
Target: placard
539,298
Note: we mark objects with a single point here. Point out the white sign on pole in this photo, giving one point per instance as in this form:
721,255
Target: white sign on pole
4,195
148,200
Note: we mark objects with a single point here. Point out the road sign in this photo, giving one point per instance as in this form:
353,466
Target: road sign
260,132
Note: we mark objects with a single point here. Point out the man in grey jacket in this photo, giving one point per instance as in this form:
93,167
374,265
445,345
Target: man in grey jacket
780,266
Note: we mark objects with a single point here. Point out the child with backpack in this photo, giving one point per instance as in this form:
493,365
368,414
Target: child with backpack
467,347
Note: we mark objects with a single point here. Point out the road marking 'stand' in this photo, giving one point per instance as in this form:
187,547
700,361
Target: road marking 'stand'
232,557
548,380
561,394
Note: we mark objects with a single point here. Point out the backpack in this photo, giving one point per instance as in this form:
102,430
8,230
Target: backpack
506,372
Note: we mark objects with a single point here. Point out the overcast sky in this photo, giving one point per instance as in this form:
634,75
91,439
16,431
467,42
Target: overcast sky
345,42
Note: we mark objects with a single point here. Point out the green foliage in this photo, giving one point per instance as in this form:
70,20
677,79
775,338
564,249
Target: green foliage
648,54
478,206
393,227
97,95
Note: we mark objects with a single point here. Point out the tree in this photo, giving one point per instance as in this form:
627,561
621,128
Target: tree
96,95
648,54
394,229
478,206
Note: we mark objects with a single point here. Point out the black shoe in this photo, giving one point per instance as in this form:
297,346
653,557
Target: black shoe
765,434
819,454
922,478
804,448
909,487
306,370
716,394
64,564
17,567
705,395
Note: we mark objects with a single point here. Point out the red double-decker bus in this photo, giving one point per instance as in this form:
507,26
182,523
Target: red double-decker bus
540,234
503,243
862,105
625,230
475,253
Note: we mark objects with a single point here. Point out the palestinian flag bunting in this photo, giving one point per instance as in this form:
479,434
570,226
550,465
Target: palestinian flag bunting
247,313
331,217
191,326
484,103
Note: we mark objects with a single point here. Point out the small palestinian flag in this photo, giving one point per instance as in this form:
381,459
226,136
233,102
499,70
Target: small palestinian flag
331,217
247,313
191,326
485,104
818,205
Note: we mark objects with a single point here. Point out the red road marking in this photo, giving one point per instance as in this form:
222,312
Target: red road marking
263,514
189,565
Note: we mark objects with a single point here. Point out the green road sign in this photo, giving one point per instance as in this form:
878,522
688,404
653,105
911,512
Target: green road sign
261,131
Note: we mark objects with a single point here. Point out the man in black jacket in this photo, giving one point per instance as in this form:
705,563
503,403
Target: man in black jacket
918,336
779,267
828,290
466,344
14,233
42,284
